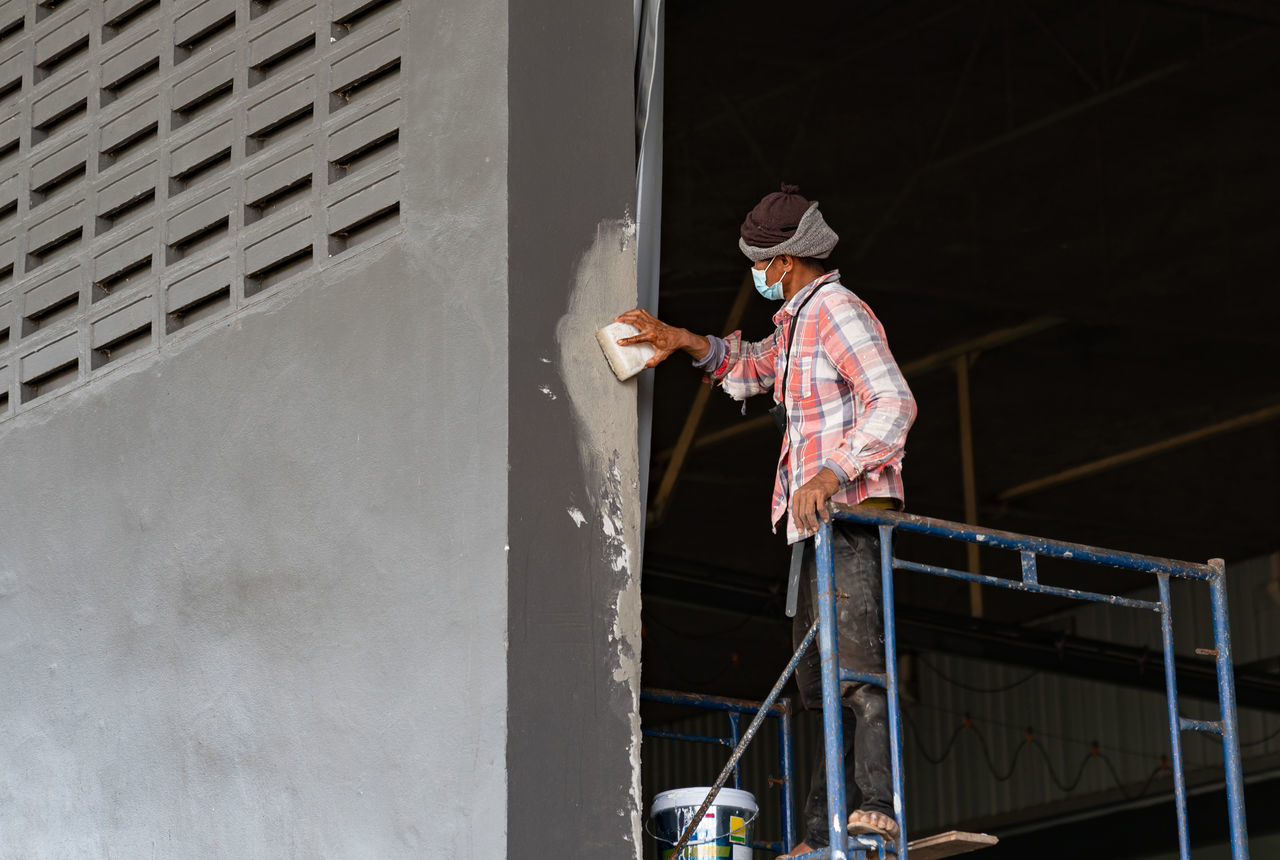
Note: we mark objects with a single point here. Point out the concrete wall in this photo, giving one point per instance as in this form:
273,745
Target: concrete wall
575,515
252,572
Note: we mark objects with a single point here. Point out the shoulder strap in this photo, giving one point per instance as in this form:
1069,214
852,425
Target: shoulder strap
791,336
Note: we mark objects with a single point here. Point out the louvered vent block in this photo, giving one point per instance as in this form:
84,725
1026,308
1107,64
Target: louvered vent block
164,164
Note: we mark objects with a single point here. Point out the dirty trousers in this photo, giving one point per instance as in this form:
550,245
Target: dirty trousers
868,778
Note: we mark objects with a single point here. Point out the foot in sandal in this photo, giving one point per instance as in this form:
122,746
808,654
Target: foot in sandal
802,848
875,823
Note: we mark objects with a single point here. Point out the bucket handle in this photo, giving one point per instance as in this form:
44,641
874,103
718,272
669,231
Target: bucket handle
691,844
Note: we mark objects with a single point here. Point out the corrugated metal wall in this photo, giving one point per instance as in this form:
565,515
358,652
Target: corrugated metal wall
667,764
979,776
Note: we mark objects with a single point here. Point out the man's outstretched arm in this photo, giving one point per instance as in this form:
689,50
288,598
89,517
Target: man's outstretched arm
742,369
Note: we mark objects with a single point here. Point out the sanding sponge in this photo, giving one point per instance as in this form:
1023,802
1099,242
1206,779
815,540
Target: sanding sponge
626,361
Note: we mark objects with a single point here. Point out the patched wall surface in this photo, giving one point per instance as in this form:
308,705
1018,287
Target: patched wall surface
164,164
574,509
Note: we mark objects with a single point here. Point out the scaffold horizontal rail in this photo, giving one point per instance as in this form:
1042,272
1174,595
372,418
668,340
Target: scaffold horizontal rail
1029,587
1208,727
1013,541
876,678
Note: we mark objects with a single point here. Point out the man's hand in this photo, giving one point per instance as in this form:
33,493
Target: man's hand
810,501
665,339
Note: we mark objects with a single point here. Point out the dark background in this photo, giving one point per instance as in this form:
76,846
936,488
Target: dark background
1094,183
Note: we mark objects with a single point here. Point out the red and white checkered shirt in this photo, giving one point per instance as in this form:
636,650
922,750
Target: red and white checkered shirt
848,406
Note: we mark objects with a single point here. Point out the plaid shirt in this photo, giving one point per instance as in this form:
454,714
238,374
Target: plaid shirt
848,407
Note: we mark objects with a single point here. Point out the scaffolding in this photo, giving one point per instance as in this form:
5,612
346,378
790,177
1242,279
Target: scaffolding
1029,550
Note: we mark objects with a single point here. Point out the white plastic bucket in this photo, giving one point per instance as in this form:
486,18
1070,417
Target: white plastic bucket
724,832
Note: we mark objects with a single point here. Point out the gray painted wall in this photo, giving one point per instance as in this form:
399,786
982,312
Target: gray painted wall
575,514
253,576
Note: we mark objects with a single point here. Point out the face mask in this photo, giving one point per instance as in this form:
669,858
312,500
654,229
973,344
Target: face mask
772,292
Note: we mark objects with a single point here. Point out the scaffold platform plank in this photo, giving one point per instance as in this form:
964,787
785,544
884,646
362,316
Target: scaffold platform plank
948,844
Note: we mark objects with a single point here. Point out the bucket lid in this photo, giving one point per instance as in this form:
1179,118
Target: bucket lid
693,797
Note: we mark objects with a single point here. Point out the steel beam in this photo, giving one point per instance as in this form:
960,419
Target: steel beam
925,364
1258,10
694,418
1060,47
1100,98
983,343
1076,656
1006,644
969,477
1134,455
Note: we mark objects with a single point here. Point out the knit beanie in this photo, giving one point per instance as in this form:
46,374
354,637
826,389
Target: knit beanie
786,223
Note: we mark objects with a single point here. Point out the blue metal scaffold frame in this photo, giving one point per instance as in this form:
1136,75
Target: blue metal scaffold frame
1029,549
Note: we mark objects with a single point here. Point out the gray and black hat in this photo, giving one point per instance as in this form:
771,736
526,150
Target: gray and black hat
786,223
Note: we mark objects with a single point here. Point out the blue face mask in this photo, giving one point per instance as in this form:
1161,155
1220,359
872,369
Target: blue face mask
772,292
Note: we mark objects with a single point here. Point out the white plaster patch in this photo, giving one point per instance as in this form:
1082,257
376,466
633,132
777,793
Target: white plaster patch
605,412
615,530
837,824
576,515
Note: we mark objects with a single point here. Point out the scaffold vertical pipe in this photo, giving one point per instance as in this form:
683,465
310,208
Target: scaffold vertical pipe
787,763
832,730
1227,709
891,686
733,739
1175,719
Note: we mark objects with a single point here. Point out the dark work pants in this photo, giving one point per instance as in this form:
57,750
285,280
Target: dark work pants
865,711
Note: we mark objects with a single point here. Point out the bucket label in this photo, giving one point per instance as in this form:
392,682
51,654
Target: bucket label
737,830
700,852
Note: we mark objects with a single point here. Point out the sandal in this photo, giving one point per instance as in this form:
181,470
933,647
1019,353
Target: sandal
873,823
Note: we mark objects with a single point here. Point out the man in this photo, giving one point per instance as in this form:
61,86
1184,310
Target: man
847,413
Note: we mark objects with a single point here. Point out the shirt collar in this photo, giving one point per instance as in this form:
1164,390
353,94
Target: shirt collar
791,308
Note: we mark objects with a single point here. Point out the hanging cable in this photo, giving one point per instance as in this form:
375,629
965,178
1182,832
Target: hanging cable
1030,740
973,689
993,721
991,765
1261,740
946,751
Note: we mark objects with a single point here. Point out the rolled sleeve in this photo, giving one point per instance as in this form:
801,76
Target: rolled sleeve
839,469
748,366
711,362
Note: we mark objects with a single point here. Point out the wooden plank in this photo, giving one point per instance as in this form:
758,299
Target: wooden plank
948,844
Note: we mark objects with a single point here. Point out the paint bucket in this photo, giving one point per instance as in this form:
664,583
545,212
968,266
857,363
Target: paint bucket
724,832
